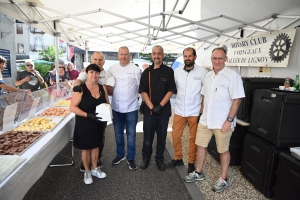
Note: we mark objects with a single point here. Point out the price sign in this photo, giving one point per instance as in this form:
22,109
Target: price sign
9,117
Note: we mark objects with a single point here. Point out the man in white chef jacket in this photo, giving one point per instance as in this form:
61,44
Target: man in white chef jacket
189,80
125,106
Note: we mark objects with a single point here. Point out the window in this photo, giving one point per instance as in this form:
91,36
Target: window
20,48
38,43
19,28
35,30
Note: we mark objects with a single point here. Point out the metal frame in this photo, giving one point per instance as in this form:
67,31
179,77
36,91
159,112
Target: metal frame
79,36
66,164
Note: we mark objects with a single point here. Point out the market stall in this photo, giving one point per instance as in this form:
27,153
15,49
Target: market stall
30,145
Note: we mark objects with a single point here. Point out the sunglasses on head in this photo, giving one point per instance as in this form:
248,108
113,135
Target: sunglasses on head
29,65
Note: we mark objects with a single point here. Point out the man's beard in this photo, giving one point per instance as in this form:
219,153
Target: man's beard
157,61
189,64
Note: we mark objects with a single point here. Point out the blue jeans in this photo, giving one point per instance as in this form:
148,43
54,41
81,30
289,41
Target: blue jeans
128,121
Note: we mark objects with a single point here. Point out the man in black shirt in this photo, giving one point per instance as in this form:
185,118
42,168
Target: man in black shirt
157,108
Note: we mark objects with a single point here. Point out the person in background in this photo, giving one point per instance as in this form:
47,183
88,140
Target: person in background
50,77
87,132
29,78
62,73
145,66
3,86
221,96
157,110
97,58
125,106
189,80
74,73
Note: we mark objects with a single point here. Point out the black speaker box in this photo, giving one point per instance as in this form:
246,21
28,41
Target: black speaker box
250,84
259,163
288,178
275,117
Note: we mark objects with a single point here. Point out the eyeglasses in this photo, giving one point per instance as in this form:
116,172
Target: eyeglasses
61,67
29,65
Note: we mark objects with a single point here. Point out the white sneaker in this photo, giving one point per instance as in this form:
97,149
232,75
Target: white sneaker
220,185
97,172
87,177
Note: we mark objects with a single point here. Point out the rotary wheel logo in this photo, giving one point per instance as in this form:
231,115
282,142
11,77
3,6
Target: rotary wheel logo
280,47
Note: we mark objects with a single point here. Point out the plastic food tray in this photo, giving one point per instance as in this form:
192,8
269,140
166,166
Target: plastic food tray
40,115
43,133
8,164
57,120
33,142
57,104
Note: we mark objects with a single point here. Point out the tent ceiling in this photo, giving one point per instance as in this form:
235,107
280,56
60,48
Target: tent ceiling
106,25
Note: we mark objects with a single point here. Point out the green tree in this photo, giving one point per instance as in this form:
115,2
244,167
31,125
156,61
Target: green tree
146,56
168,57
49,53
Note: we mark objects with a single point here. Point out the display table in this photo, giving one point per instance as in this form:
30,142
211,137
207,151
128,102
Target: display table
38,158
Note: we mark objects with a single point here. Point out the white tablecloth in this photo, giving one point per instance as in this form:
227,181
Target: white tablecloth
38,158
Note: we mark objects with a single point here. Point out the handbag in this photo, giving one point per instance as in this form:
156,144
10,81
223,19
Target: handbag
143,104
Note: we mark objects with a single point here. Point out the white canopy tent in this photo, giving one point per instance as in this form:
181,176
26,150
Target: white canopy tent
139,24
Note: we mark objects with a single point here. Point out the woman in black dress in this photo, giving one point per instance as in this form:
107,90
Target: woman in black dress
87,132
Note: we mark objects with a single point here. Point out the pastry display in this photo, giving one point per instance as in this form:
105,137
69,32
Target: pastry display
63,103
55,112
25,102
37,124
14,142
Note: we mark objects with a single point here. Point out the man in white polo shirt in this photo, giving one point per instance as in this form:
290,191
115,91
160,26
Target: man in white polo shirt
189,79
97,58
125,106
222,92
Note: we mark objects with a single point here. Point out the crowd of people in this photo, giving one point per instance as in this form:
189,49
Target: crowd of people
30,79
205,101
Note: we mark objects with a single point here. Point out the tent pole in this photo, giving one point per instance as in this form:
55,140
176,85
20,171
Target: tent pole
149,21
86,55
56,52
163,15
86,51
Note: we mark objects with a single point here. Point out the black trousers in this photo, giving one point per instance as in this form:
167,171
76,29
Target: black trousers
103,139
152,125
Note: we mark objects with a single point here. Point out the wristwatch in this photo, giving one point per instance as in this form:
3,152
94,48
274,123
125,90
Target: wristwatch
229,119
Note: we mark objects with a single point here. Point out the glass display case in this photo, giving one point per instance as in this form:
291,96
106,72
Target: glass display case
16,107
11,105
